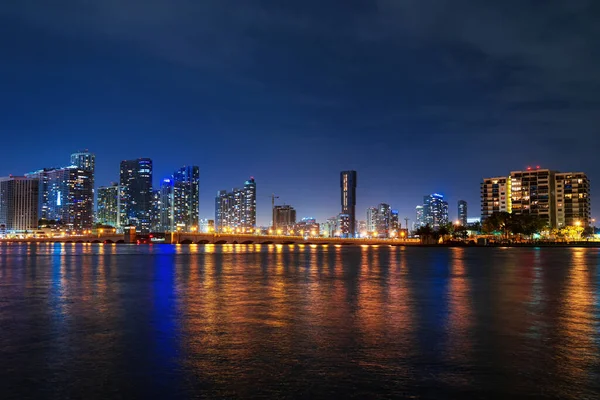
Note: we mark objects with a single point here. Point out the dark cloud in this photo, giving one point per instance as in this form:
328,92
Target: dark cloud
453,71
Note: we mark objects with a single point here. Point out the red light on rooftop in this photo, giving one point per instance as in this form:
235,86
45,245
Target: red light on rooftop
537,167
528,168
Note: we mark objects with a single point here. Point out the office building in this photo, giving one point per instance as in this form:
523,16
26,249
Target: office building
285,217
86,161
420,218
361,228
572,199
371,219
107,208
348,186
495,196
236,210
342,225
186,198
66,196
136,194
435,210
18,204
462,213
383,220
394,221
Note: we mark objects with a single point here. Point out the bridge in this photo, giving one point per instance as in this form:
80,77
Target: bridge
214,238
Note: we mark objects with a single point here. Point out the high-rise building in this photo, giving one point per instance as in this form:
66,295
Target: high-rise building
136,193
342,225
348,186
371,219
285,217
435,210
66,195
495,196
186,198
384,217
165,221
559,198
572,199
329,227
84,160
394,221
236,210
420,218
107,209
19,203
361,228
532,192
462,212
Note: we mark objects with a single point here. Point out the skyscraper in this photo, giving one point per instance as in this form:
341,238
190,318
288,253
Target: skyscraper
572,199
371,219
348,186
86,161
495,196
462,212
384,215
435,210
236,210
107,209
136,193
420,217
18,203
66,195
165,195
285,217
186,198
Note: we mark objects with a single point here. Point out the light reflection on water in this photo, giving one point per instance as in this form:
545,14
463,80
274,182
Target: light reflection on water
178,321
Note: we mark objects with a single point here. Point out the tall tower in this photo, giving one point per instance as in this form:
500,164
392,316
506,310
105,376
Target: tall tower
348,186
136,193
186,198
462,212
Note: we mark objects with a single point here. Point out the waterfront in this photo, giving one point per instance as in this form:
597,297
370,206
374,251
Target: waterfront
177,321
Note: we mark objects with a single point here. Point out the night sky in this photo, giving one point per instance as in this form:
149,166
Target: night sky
418,96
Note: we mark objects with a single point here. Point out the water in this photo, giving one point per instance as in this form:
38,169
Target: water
236,321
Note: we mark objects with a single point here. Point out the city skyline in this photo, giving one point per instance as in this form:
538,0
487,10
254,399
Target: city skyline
264,215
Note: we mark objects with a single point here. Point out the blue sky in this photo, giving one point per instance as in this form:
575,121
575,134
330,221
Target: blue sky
418,96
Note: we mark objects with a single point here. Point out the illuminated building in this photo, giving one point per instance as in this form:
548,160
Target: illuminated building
420,218
462,212
348,186
206,225
307,227
532,192
136,194
186,198
342,225
107,208
85,161
495,196
559,198
435,210
66,195
164,207
285,217
361,227
329,227
394,221
236,210
572,199
19,203
371,219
